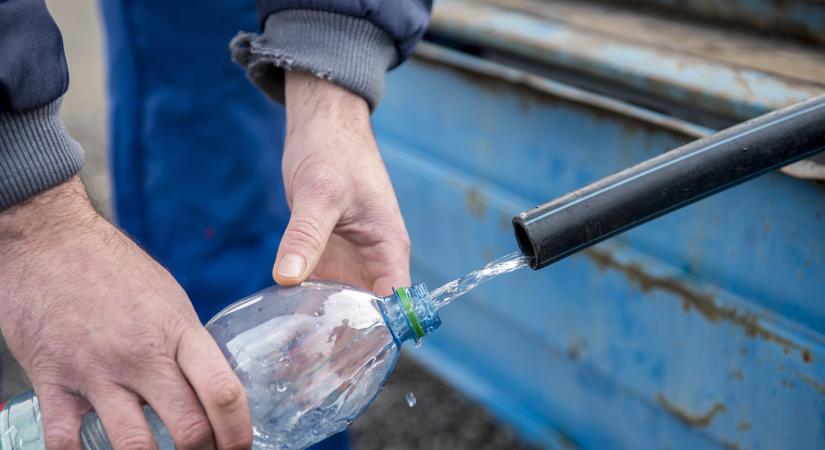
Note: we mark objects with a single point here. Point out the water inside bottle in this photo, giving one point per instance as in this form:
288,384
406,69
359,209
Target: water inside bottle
444,295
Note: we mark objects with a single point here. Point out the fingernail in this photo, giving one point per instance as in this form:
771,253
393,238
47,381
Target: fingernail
292,266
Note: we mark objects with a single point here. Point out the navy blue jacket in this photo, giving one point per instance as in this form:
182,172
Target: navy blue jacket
404,20
33,69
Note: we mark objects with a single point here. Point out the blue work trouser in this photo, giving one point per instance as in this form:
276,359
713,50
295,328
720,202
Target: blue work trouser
195,148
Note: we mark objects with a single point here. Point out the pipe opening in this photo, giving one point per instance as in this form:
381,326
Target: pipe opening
524,243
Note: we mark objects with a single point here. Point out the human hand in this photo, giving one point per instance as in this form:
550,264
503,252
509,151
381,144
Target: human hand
97,324
345,224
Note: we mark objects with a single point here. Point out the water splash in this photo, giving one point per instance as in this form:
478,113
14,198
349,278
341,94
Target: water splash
442,296
410,397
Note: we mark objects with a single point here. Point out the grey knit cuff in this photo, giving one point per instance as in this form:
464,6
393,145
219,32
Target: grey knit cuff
36,153
351,52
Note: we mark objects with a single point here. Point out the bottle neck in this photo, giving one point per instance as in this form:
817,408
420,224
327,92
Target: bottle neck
410,314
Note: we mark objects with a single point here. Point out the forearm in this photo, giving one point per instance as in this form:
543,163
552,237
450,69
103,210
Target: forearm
309,98
39,221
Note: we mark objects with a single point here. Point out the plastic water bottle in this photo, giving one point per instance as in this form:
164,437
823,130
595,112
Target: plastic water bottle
311,359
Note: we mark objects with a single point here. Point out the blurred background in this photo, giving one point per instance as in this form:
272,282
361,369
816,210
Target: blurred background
701,330
442,417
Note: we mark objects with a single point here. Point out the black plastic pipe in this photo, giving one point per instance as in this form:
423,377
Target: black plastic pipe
670,181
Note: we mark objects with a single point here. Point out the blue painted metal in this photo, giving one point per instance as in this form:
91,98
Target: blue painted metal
735,92
703,329
798,18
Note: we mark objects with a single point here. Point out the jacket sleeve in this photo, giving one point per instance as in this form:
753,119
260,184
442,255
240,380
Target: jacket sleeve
36,151
351,43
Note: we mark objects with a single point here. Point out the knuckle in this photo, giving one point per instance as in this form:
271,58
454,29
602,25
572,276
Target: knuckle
193,432
60,436
228,391
133,438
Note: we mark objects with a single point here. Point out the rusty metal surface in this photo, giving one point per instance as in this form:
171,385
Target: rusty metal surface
703,329
736,92
803,19
739,47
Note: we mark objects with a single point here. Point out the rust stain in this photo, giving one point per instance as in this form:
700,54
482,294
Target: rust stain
806,356
743,426
576,349
744,83
730,445
813,383
702,302
476,202
695,420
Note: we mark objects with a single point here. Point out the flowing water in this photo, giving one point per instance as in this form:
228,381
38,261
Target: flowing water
444,295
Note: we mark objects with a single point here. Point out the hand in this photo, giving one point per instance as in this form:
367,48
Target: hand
346,224
97,324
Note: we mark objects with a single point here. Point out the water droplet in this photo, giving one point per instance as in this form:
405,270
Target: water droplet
410,399
419,343
281,386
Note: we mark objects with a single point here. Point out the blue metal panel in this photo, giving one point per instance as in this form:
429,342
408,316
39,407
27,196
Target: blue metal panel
736,92
798,18
700,330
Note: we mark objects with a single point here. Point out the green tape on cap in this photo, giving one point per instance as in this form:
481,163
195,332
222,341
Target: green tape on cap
412,318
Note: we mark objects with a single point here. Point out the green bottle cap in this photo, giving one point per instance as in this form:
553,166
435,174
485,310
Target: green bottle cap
412,317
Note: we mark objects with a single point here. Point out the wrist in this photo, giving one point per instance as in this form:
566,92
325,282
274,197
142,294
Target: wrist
312,100
45,216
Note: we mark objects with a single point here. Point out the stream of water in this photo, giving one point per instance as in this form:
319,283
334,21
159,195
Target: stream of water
444,295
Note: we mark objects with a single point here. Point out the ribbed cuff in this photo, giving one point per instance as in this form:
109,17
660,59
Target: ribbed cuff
351,52
36,153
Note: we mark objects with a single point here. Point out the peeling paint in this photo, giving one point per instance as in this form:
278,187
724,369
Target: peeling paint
692,299
695,420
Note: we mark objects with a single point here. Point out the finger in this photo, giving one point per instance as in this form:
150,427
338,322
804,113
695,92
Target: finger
61,413
121,413
396,272
177,406
218,388
304,241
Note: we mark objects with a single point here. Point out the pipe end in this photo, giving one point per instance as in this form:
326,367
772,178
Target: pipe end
524,243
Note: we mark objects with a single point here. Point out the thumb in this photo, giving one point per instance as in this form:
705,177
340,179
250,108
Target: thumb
303,243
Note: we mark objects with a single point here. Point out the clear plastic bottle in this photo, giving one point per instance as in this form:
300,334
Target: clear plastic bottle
311,359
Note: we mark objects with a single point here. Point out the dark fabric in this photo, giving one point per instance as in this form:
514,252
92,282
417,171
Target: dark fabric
195,148
404,20
352,53
36,153
33,69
